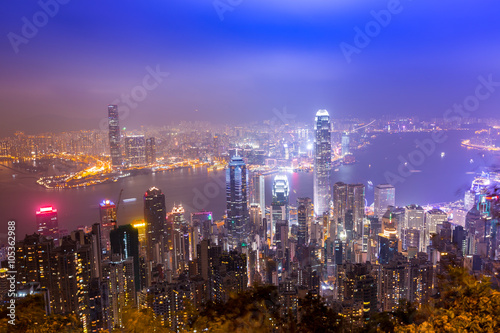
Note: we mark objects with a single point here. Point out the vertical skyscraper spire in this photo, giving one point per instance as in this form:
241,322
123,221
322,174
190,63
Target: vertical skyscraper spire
322,162
114,136
237,200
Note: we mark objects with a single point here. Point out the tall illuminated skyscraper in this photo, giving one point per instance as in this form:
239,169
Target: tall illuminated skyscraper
279,207
385,196
322,162
48,225
107,213
155,218
237,201
114,136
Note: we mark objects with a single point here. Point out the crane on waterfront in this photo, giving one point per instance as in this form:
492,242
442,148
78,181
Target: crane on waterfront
118,202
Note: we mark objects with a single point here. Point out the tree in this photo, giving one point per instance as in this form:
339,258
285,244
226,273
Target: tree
140,321
316,316
31,318
465,304
254,310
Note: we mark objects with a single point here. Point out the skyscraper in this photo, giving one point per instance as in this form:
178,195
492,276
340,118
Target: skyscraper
150,151
469,199
48,225
258,191
385,195
302,220
279,207
155,218
322,162
114,136
415,219
107,213
356,202
348,198
433,218
339,203
237,200
125,241
303,217
135,148
345,144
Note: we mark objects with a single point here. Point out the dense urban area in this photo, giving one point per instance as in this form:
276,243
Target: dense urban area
332,263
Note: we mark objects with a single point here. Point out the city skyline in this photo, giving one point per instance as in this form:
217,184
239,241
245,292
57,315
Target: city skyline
265,165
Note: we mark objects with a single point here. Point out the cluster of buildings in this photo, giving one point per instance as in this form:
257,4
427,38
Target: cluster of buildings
362,260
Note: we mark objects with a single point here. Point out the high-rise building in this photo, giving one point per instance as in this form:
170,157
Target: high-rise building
345,144
135,149
304,218
282,247
469,199
114,136
385,196
410,239
73,262
155,218
322,163
258,191
204,223
387,246
120,278
125,242
433,218
255,217
237,201
393,284
150,151
356,203
339,203
35,263
357,282
348,199
180,239
415,219
303,226
279,206
48,225
107,213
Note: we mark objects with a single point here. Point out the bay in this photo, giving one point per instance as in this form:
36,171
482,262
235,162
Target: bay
437,179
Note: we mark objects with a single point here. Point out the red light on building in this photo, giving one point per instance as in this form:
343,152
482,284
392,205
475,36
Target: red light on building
46,209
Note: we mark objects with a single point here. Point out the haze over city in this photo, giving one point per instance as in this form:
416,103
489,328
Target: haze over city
261,55
249,166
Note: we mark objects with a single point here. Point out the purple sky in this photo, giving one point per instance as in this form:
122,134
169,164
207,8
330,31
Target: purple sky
264,54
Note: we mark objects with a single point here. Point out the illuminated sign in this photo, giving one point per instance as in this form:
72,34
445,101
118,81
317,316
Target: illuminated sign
46,209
